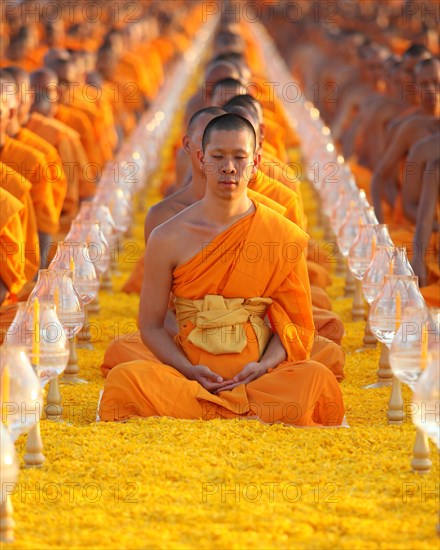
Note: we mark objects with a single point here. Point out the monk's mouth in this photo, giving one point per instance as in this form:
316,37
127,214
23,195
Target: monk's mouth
228,182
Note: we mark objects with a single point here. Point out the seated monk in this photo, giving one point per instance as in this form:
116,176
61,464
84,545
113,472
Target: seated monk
263,371
407,133
329,327
65,139
19,187
30,164
20,100
13,277
429,201
421,153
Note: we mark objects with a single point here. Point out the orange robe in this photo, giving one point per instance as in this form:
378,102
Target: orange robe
279,193
53,165
12,270
20,188
93,111
30,163
298,391
73,156
131,348
133,285
79,122
431,294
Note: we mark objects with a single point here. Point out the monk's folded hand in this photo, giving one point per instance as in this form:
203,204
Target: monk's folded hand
206,378
250,372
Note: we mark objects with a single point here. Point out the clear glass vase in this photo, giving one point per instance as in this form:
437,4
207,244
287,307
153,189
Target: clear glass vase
398,293
387,260
21,391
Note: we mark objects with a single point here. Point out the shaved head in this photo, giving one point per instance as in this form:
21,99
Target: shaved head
226,89
210,111
229,123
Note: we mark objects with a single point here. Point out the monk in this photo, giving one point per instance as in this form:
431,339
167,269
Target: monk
20,188
226,89
328,326
66,141
31,165
429,200
21,99
208,372
423,151
12,273
383,186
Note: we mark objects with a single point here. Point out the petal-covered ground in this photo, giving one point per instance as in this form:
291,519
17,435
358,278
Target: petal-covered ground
165,483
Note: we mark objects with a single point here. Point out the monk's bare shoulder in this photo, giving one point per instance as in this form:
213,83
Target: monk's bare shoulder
166,209
177,227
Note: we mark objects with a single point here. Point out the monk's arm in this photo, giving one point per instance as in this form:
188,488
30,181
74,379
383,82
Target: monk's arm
425,218
156,287
423,151
274,354
393,154
151,221
3,291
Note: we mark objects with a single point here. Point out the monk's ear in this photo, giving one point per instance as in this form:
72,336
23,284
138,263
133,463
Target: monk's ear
257,160
262,130
185,143
200,158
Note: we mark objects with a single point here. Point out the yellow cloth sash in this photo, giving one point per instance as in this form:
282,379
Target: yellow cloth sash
219,322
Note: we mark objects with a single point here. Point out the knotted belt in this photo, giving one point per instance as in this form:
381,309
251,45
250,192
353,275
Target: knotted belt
219,322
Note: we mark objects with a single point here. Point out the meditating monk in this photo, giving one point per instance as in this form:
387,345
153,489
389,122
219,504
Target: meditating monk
65,139
12,272
422,152
31,165
20,188
226,361
20,100
427,210
226,89
328,326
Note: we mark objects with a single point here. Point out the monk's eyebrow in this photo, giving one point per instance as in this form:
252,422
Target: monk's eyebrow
219,150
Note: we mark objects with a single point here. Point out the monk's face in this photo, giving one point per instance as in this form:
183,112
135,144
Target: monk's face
193,143
25,99
428,85
407,68
228,163
4,113
106,64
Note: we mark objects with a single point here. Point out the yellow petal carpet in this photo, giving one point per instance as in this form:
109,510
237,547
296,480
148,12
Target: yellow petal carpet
165,483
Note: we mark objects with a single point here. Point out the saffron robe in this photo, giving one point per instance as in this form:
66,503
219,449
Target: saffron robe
30,164
20,188
298,391
53,165
12,270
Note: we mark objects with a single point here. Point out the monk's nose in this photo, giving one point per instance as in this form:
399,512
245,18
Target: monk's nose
229,166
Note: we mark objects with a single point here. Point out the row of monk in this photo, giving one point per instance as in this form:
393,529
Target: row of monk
225,335
55,135
379,93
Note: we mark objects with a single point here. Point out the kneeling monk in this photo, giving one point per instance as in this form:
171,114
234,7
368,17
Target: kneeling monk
242,304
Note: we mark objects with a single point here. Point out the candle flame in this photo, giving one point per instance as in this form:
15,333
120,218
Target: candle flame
56,298
424,353
36,339
398,310
373,246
